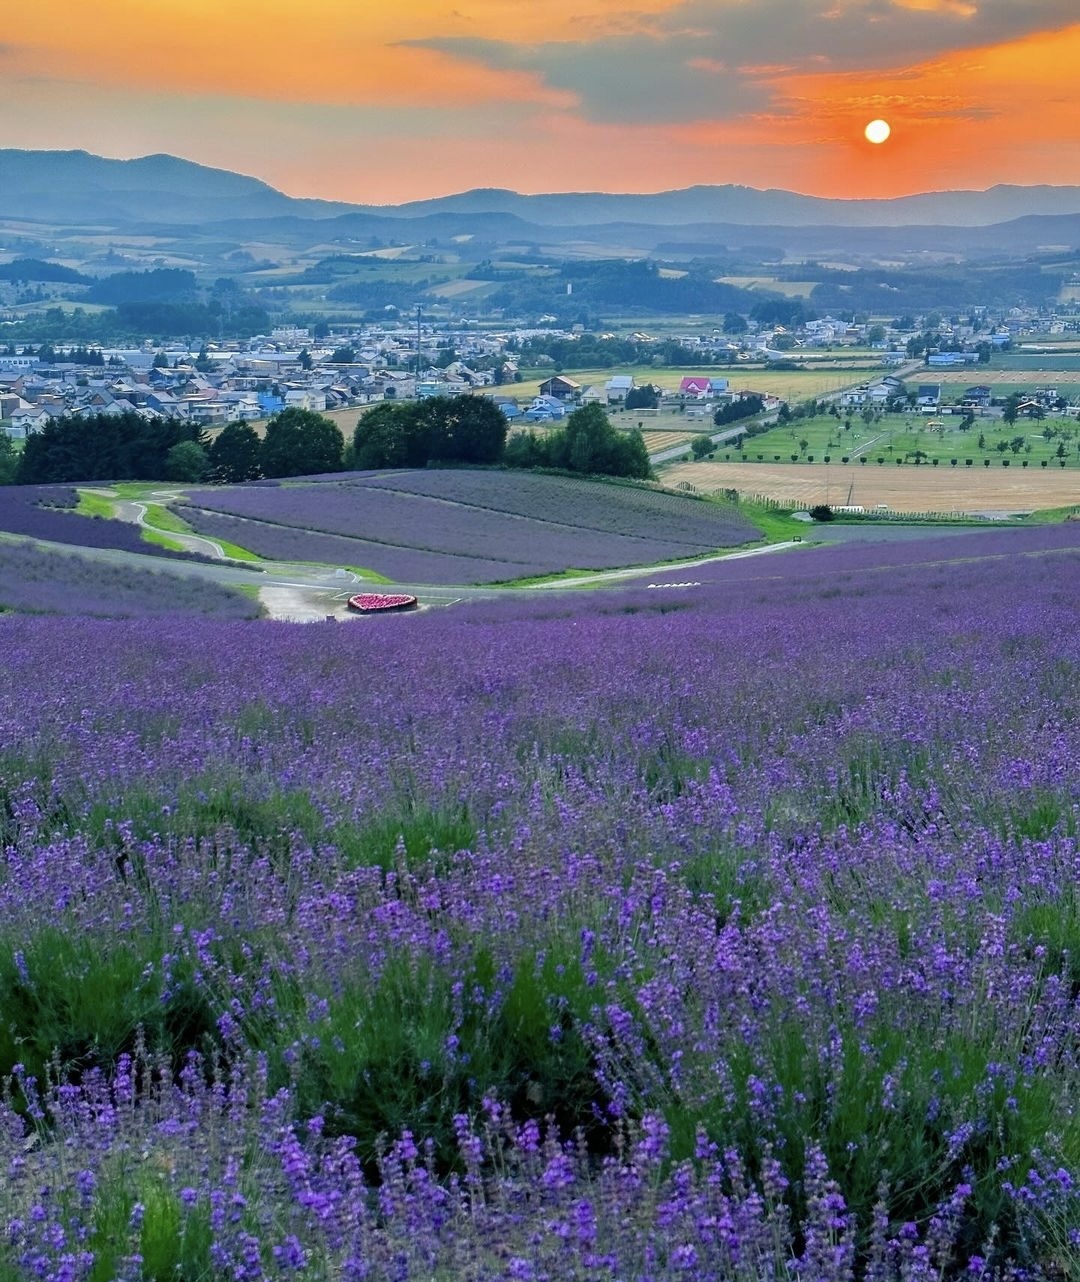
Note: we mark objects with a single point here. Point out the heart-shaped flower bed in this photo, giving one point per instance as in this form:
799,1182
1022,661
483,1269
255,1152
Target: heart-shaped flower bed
381,602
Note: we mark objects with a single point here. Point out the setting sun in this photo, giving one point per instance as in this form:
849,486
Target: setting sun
877,131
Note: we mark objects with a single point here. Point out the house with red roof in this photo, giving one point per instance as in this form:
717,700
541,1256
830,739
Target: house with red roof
695,385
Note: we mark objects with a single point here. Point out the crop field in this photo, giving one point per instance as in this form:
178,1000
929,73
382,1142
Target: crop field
787,288
726,933
1004,381
902,489
792,385
36,581
942,437
462,526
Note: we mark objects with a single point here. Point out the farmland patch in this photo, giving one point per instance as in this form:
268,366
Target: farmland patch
466,526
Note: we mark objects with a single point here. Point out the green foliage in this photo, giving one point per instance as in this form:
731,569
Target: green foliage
160,285
701,445
301,443
821,512
235,454
101,448
80,1001
645,397
588,443
37,269
186,461
461,429
9,460
415,1047
744,407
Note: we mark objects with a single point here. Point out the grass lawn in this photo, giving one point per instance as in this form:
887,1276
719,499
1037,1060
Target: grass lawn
94,505
903,435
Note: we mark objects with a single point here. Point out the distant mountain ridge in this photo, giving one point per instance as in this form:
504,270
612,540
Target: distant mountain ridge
77,187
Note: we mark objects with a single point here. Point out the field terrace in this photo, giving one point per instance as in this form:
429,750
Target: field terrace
728,933
466,526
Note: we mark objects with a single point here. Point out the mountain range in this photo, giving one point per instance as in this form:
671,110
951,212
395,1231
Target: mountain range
76,188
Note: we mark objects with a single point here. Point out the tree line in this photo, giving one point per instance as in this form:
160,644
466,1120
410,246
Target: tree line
297,442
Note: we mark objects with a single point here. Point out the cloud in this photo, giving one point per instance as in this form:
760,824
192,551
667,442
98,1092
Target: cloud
716,59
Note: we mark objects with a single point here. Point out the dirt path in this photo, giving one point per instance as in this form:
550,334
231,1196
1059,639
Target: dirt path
300,605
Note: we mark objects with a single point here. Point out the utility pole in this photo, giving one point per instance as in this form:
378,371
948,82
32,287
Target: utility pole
419,311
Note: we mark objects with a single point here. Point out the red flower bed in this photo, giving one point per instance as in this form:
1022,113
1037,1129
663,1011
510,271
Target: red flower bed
378,602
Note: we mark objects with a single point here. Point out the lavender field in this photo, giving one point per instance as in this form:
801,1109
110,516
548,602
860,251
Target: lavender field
467,526
725,934
47,512
36,581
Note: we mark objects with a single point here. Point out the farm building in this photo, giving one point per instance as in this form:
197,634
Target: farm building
560,387
618,385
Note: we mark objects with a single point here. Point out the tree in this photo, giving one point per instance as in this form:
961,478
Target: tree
701,445
235,455
591,444
186,461
588,443
342,356
466,429
305,359
1012,408
645,397
8,459
391,435
301,443
103,447
821,512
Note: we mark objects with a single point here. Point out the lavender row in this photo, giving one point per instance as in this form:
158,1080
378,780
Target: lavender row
43,512
406,520
36,581
402,564
579,502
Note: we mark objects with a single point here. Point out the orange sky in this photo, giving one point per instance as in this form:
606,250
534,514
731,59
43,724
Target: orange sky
378,102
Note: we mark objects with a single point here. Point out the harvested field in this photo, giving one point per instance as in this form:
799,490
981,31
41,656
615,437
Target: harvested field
903,489
973,375
661,440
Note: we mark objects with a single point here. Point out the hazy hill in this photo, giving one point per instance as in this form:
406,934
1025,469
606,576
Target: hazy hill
77,187
735,204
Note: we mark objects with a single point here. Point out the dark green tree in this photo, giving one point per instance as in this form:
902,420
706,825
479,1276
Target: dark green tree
701,445
103,447
1012,410
186,461
9,460
589,443
645,397
465,429
301,443
391,435
235,455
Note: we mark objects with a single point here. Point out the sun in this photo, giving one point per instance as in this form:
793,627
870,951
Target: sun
877,131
